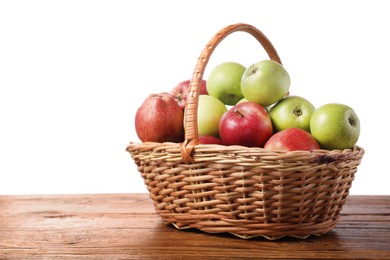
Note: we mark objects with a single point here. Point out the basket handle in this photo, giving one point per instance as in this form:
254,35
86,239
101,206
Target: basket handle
191,121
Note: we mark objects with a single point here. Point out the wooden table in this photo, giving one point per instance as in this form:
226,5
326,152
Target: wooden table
124,226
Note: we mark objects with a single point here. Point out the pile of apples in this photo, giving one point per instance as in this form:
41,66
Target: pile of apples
249,107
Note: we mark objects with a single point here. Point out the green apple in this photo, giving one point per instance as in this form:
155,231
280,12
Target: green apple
210,111
265,82
224,82
335,126
291,112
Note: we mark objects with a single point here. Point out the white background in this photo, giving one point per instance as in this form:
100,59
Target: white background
73,73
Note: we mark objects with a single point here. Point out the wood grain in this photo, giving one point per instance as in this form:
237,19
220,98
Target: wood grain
125,226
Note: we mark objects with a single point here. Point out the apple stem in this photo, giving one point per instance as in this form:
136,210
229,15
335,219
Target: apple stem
238,112
351,121
298,111
254,70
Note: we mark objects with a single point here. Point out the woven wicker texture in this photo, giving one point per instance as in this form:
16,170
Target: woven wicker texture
248,192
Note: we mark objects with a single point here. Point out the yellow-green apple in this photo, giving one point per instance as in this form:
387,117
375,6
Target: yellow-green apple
291,112
246,100
210,111
159,119
246,124
291,139
335,126
180,91
242,100
209,139
265,82
224,82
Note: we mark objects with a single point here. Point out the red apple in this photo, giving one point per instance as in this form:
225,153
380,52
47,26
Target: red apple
247,124
180,91
209,139
292,139
203,88
160,119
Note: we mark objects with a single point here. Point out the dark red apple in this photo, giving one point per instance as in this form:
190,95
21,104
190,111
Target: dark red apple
160,119
209,139
247,124
180,91
292,139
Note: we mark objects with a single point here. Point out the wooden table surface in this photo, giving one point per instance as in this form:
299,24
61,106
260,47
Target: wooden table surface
125,226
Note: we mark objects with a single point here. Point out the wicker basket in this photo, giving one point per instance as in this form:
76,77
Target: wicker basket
248,192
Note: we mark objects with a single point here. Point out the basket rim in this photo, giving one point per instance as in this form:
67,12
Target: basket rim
320,156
